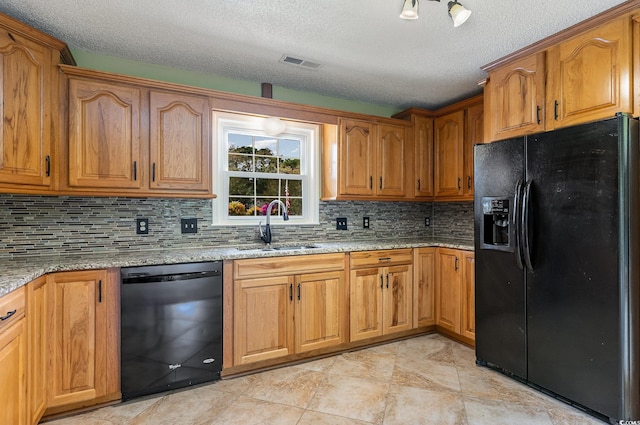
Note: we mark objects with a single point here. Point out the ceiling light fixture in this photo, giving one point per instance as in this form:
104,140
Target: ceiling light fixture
273,126
458,13
410,9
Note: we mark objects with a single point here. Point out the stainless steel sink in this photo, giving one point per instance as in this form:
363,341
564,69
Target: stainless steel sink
280,248
294,248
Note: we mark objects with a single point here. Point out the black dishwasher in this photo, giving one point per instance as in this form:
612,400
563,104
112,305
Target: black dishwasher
171,326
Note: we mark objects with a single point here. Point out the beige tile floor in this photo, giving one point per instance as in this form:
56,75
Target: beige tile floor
424,380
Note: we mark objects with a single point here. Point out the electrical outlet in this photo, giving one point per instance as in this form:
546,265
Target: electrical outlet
365,222
427,221
341,223
189,225
142,226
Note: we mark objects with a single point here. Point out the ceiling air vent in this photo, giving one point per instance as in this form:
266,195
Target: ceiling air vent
302,63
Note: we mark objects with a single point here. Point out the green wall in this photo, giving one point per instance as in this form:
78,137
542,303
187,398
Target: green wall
181,76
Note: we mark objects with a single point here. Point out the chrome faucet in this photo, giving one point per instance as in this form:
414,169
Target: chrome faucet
265,232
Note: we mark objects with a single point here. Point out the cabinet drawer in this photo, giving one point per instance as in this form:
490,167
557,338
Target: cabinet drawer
12,308
278,266
380,257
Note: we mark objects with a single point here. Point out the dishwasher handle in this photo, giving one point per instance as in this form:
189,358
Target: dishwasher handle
146,278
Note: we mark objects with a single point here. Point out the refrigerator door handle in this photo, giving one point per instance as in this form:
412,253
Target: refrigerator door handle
524,224
515,222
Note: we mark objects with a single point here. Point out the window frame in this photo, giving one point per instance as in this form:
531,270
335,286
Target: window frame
309,136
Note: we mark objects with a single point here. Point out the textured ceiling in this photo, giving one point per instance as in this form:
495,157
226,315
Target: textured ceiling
367,53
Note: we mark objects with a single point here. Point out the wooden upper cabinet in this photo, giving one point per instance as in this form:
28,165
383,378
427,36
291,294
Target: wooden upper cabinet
448,154
394,161
357,157
590,75
104,135
423,156
26,98
516,96
179,141
374,161
474,134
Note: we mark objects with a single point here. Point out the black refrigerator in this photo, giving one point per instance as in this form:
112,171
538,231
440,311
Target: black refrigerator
557,249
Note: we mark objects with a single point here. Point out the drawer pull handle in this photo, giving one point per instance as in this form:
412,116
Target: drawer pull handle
8,315
384,259
381,282
387,280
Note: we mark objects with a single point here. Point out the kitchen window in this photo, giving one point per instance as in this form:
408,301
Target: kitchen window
252,168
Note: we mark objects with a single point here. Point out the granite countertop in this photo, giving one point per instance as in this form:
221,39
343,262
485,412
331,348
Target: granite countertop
18,272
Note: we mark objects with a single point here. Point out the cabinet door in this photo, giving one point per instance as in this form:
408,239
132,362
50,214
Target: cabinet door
468,327
25,93
320,312
448,289
423,151
366,303
448,151
357,157
424,281
474,134
590,75
37,349
397,294
263,319
515,95
81,337
13,355
394,164
179,142
104,135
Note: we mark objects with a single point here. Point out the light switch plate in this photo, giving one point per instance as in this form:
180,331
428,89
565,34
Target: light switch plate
189,225
341,223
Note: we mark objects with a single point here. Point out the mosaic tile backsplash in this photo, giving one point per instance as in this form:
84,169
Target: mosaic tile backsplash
42,225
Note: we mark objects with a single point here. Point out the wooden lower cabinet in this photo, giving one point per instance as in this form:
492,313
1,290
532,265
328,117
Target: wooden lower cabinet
424,281
380,297
37,355
455,302
319,311
468,324
263,319
290,312
83,319
13,359
448,277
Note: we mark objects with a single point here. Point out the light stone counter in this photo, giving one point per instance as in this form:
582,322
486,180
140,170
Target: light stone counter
15,273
